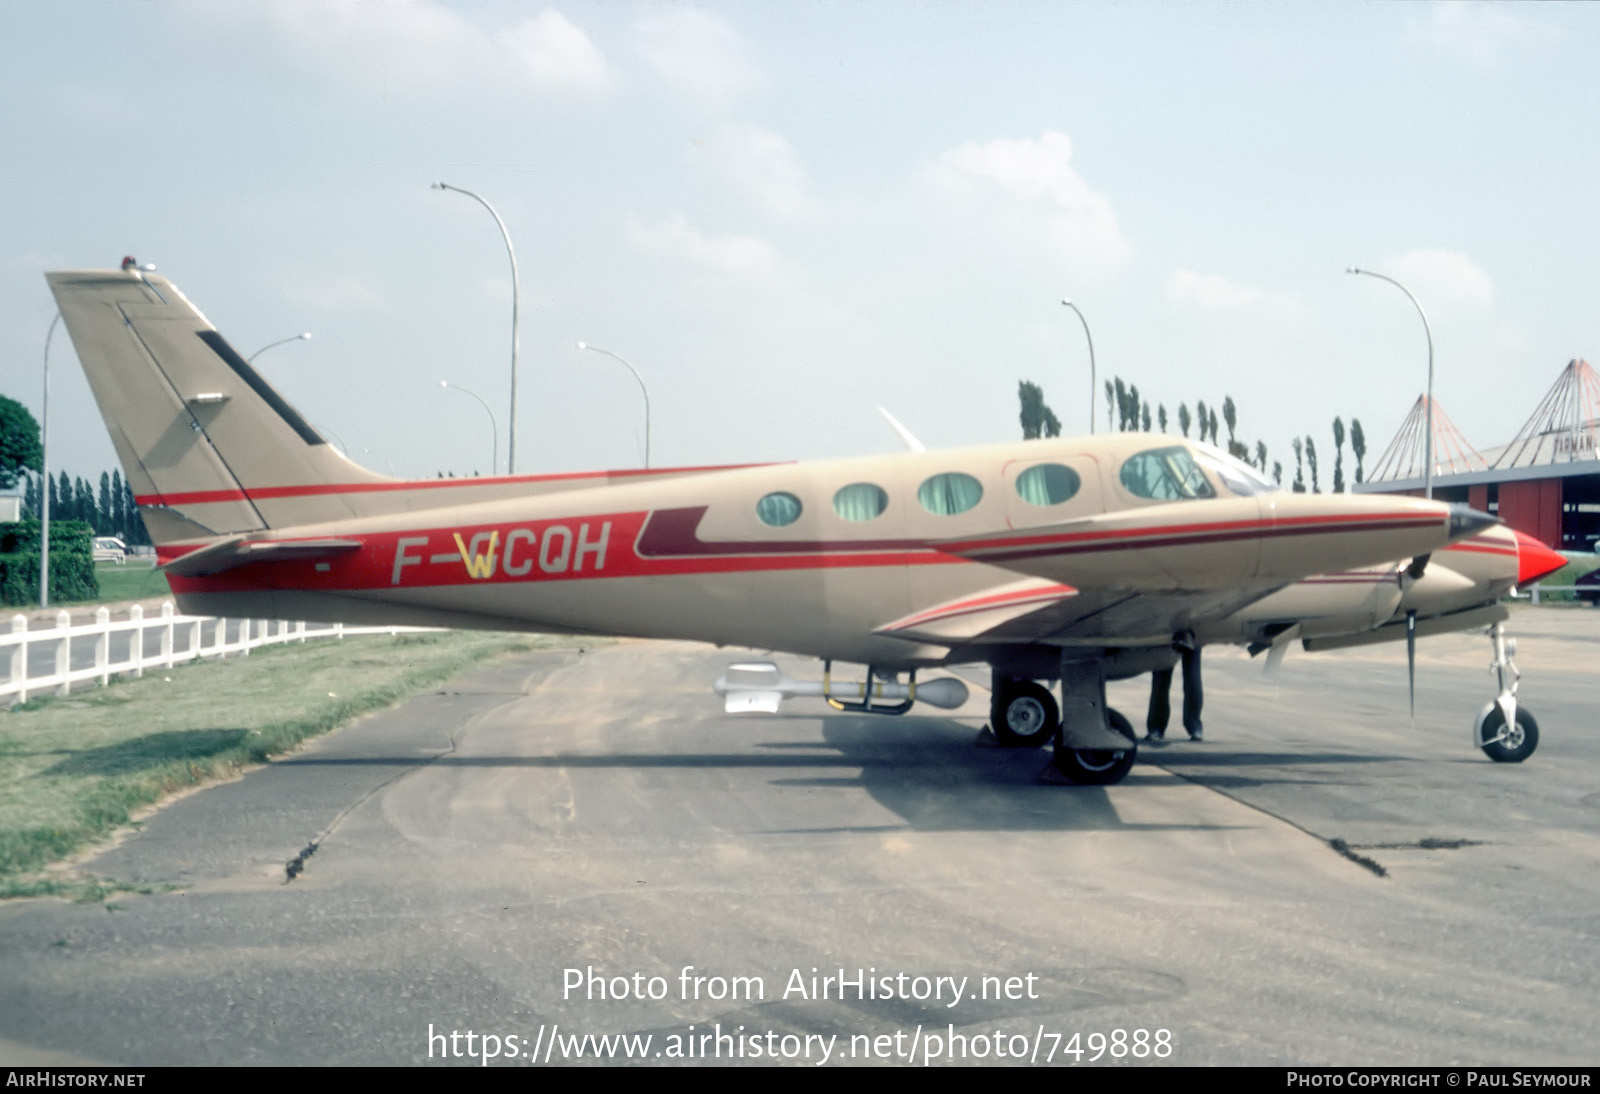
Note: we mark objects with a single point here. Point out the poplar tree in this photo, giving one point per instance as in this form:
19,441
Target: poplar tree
1338,456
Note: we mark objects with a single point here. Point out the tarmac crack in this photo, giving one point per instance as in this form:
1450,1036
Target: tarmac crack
1335,843
296,866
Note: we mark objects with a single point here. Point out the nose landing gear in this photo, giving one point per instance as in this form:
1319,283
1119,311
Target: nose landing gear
1505,731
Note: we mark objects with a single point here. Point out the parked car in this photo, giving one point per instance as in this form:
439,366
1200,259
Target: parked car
110,549
1587,587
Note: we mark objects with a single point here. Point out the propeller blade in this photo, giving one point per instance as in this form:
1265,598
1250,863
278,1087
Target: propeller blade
1411,660
1275,658
1280,646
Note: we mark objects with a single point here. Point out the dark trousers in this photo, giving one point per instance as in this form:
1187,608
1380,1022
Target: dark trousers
1193,694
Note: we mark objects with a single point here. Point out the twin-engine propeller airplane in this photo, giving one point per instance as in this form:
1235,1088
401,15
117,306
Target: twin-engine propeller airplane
1054,562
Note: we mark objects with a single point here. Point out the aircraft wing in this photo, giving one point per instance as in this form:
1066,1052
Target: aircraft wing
1213,544
1035,610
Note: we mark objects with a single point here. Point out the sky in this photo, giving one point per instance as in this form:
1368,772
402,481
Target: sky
786,215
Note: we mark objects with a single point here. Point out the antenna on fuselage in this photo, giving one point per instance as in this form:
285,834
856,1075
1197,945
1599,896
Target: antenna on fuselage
902,432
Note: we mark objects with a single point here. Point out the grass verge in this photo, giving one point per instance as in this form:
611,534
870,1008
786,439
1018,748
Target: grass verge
135,579
75,769
1576,567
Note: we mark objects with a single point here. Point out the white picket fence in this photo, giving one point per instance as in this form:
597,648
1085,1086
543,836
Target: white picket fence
182,637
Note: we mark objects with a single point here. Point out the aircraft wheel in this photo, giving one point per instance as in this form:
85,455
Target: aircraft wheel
1023,715
1099,767
1518,744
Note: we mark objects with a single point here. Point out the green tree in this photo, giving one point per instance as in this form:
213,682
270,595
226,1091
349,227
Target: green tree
1358,445
1161,415
1144,417
1200,418
1338,456
1183,418
119,506
1037,418
1299,486
1311,462
105,523
19,442
1261,456
1230,414
1277,472
83,501
1111,402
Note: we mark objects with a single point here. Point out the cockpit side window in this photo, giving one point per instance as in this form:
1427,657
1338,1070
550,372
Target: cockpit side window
1165,474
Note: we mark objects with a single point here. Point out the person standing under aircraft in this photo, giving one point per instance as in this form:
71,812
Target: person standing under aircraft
1193,692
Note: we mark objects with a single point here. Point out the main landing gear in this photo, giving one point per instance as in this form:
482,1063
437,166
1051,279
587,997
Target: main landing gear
1096,766
1024,714
1505,731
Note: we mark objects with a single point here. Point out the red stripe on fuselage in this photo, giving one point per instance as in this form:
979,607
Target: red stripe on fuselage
1183,535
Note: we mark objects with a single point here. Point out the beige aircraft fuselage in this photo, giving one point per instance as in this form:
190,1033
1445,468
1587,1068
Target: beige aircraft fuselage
898,561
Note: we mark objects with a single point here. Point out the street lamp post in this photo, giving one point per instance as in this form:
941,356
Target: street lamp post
1427,432
1068,302
516,296
44,476
494,451
303,336
642,388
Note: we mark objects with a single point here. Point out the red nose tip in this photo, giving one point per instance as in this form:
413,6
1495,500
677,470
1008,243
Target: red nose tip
1535,560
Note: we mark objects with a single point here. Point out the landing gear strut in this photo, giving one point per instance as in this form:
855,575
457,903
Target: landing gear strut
1095,745
1505,731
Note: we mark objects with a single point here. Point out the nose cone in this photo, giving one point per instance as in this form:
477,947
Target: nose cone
1465,522
1535,560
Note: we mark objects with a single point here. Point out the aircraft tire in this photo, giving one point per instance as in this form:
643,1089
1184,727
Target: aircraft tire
1099,767
1024,715
1518,745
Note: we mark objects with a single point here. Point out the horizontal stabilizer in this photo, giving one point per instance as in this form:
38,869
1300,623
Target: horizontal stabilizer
231,553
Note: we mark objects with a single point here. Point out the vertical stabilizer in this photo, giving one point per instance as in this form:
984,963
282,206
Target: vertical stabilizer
208,447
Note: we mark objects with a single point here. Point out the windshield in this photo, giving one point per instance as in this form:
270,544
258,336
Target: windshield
1239,477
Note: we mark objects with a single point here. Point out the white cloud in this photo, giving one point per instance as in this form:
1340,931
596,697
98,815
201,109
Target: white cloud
420,47
730,255
697,53
1211,291
760,168
556,55
1441,278
1480,33
1034,180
